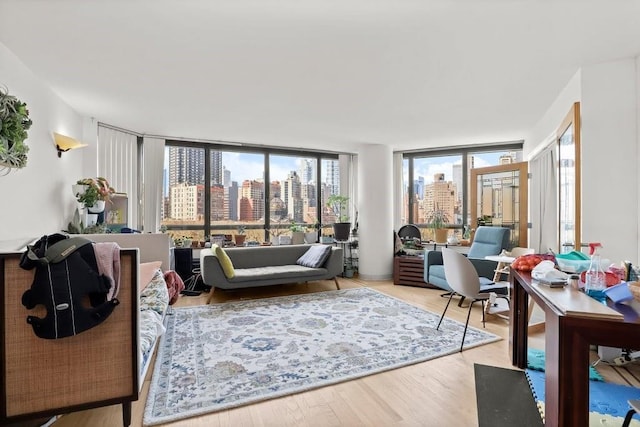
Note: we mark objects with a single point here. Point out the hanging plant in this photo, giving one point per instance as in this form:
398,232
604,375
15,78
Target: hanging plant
14,123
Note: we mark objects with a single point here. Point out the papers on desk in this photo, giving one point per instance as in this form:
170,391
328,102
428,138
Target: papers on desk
572,302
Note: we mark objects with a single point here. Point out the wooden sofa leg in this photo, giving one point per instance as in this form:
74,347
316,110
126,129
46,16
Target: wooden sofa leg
337,284
210,295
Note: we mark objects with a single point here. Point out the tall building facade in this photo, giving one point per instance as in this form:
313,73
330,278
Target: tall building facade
217,170
292,197
332,176
439,195
186,165
251,203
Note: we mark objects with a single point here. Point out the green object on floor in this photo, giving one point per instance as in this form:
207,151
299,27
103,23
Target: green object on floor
535,361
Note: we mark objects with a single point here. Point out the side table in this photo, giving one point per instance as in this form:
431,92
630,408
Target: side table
409,271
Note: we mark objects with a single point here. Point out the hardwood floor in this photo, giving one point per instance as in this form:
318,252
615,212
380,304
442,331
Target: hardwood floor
439,392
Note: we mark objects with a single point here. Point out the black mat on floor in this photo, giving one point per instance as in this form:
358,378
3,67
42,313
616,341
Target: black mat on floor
504,398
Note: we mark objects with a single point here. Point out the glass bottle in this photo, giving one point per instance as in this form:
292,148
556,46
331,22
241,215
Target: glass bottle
595,279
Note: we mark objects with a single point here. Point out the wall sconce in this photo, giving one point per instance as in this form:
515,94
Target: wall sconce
66,143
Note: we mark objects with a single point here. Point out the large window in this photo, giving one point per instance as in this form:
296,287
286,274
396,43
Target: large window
212,189
437,184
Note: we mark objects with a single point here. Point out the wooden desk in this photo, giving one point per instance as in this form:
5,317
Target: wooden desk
570,329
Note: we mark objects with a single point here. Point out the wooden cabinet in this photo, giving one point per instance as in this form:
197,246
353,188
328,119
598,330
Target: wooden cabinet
409,270
97,367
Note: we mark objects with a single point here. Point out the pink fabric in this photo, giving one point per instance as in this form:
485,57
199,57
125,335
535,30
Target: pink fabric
174,285
108,260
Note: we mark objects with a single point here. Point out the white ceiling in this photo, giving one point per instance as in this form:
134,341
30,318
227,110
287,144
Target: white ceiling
327,74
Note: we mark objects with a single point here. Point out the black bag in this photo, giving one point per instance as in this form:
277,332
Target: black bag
66,273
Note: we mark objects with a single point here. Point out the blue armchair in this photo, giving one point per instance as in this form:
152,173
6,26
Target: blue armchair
487,241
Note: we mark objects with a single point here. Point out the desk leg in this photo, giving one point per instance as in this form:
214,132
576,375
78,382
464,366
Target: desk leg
566,373
518,325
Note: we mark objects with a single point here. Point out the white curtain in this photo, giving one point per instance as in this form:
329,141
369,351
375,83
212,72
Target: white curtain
543,196
117,154
153,180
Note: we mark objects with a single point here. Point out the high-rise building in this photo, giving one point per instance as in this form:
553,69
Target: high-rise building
217,202
251,200
307,170
439,195
332,176
418,187
184,202
292,197
217,170
186,165
231,201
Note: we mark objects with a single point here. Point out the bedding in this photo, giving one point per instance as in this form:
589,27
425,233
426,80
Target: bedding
154,300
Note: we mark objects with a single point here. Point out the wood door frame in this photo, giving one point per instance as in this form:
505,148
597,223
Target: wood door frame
572,118
523,169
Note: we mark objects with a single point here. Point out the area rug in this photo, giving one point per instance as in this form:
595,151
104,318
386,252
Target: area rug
504,398
222,356
607,401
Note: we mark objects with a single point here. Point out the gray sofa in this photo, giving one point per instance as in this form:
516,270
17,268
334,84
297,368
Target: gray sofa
267,265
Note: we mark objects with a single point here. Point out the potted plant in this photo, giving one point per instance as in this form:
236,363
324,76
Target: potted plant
14,123
342,227
311,234
438,220
240,237
95,192
297,233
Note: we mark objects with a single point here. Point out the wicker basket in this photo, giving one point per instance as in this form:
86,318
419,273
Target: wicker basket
634,287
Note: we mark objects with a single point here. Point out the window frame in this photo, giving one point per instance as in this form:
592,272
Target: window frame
465,152
208,147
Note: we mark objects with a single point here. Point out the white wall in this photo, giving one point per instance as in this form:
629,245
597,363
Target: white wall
609,98
37,199
544,131
609,158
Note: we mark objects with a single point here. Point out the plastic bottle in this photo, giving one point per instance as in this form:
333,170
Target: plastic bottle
595,279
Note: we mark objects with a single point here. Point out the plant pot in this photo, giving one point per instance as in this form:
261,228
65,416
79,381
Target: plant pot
284,240
311,237
92,219
275,240
240,238
97,207
441,235
297,237
341,231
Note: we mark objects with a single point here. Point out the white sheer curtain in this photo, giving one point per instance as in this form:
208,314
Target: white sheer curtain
117,155
543,204
153,179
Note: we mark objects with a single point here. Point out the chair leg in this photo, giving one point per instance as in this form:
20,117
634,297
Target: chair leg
464,334
210,295
445,310
627,419
337,284
483,320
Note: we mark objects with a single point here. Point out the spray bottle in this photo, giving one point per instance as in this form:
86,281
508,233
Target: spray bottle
595,279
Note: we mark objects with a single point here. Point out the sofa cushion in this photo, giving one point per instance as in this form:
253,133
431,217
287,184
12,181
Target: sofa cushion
276,272
315,256
224,260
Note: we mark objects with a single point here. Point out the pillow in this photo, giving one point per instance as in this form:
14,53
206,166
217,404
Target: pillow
147,270
315,256
224,260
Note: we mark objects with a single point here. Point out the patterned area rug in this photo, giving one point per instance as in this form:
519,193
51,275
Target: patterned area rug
226,355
